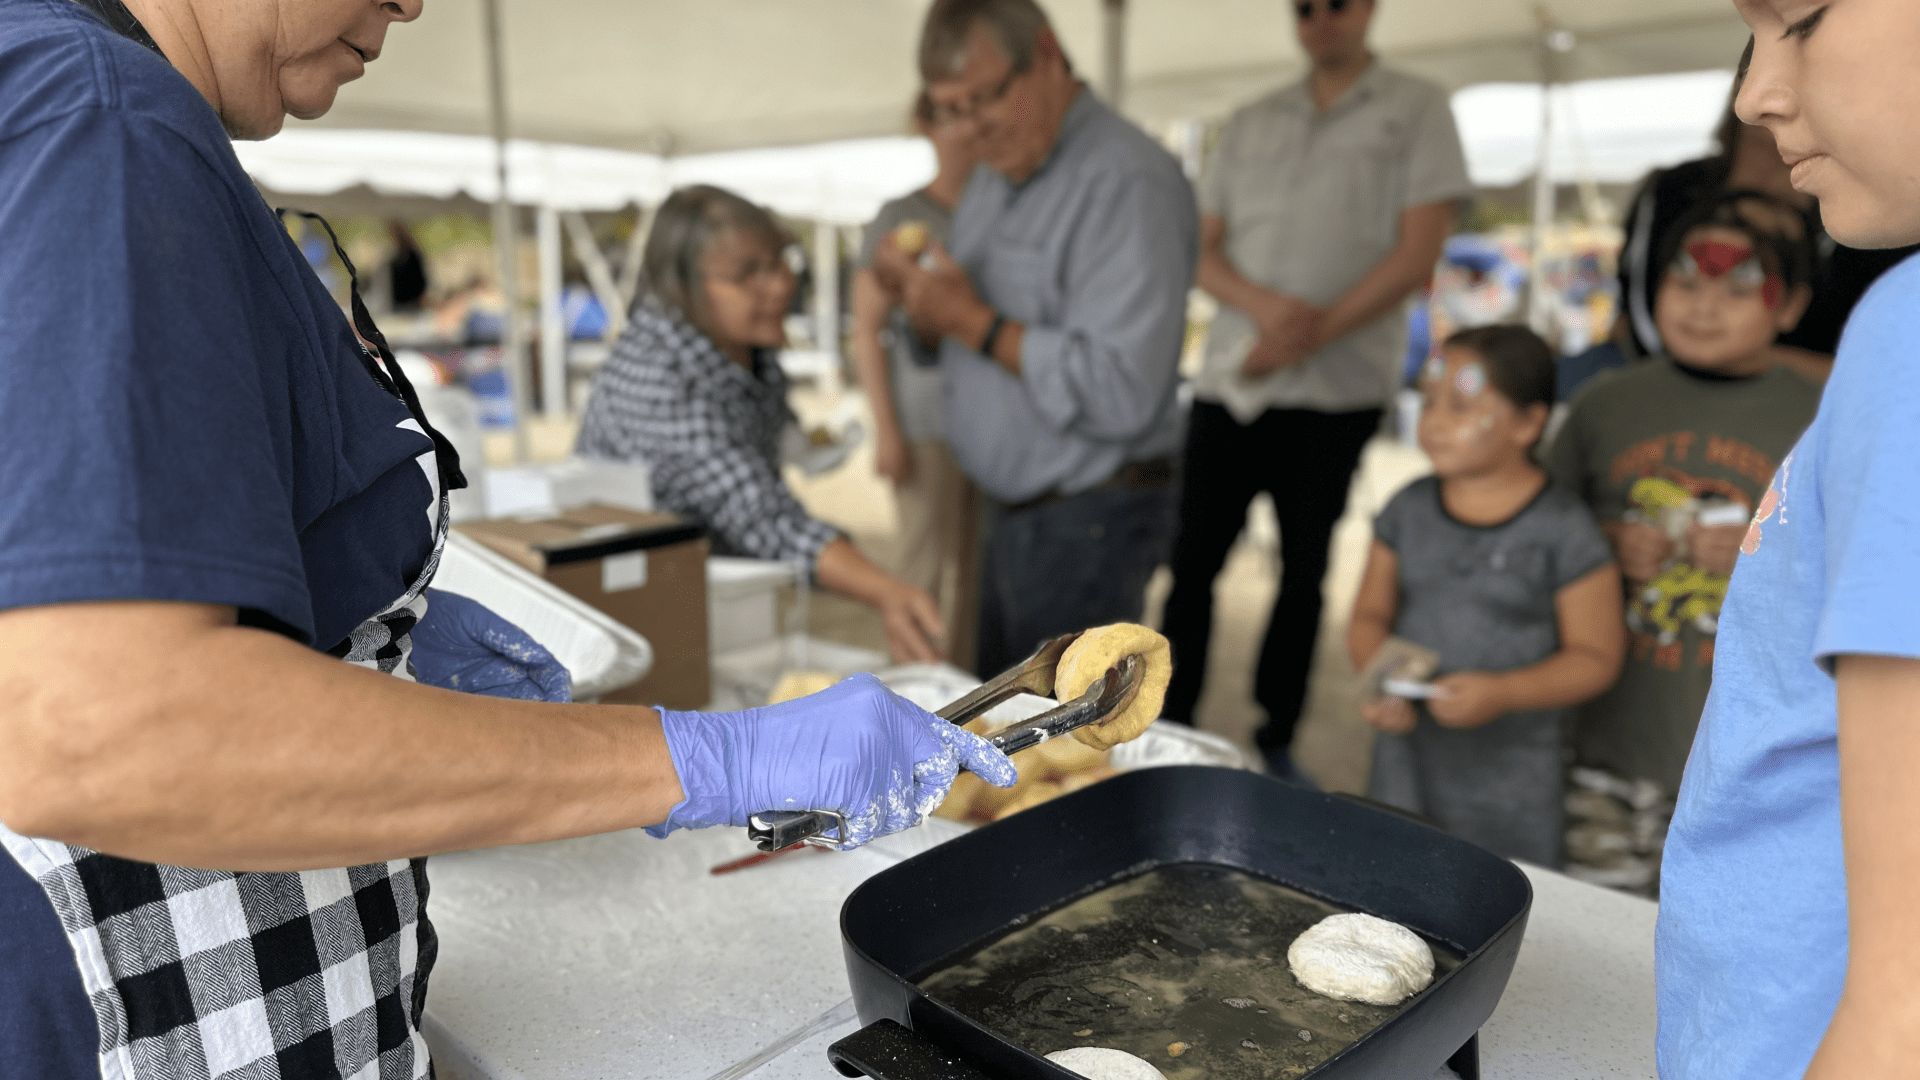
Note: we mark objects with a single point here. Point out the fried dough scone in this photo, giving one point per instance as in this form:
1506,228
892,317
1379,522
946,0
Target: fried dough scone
1092,654
1361,958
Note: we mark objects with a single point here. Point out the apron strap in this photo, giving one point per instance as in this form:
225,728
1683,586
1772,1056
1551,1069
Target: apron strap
393,379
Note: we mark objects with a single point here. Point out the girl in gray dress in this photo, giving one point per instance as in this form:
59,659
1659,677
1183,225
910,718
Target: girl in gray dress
1508,580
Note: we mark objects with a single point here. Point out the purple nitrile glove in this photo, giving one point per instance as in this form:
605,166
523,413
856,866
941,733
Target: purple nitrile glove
461,645
857,748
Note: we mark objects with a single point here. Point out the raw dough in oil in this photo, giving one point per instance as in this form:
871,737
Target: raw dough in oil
1100,1063
1361,958
1098,649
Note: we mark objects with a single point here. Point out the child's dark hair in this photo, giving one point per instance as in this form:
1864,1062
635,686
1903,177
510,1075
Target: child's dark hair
1518,363
1779,232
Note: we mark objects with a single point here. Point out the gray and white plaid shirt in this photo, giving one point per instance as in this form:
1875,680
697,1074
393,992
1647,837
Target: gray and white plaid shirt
710,433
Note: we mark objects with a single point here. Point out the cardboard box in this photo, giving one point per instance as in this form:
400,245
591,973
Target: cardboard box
647,570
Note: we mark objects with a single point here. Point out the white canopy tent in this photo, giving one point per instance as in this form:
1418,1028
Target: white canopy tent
680,77
674,77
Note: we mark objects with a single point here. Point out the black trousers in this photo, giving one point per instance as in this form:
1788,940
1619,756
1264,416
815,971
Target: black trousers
1305,460
1065,566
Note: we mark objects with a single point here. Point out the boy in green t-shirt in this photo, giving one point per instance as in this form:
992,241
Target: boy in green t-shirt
1672,456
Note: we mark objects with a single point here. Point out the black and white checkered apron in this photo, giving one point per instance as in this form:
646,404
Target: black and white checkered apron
215,975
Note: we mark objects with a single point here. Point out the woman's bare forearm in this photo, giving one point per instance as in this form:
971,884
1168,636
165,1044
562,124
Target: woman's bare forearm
167,733
842,568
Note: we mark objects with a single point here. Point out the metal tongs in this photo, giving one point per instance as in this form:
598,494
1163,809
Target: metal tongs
1112,692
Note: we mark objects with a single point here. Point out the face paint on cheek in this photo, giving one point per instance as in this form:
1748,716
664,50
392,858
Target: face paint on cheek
1435,369
1483,425
1771,291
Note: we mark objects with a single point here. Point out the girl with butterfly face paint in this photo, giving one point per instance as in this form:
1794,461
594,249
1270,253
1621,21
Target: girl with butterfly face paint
1507,579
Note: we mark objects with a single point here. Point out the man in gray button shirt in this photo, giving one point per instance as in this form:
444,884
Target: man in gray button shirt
1325,204
1062,308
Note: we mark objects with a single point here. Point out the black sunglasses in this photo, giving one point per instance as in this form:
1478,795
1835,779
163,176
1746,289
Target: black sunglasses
1304,9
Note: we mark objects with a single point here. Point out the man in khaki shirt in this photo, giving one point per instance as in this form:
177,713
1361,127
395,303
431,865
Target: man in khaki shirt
1323,207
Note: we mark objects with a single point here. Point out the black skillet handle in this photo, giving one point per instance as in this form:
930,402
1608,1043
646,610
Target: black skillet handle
887,1050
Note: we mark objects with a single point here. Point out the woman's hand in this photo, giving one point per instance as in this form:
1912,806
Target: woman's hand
856,748
912,618
1468,699
913,625
1389,714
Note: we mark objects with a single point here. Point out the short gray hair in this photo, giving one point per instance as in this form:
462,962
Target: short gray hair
1014,24
685,226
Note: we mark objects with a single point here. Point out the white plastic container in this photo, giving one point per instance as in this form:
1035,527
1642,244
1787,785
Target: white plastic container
600,654
743,601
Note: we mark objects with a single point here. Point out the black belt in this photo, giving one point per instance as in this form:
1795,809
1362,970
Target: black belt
1146,475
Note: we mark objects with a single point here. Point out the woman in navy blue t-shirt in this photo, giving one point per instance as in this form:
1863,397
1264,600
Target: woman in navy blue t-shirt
214,493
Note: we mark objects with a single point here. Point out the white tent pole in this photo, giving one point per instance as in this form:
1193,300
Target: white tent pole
628,279
506,236
1539,306
553,319
1113,72
826,288
599,273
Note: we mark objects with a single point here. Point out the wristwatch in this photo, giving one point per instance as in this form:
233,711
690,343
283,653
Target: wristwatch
993,334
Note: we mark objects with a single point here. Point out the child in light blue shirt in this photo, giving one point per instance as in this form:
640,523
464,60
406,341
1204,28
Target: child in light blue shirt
1787,943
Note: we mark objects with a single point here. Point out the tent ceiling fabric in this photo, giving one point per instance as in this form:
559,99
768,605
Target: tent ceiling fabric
675,77
841,182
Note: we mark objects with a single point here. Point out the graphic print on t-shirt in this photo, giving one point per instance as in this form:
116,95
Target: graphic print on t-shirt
1662,495
1773,500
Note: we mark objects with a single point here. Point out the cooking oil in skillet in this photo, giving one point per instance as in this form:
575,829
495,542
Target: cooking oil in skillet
1184,965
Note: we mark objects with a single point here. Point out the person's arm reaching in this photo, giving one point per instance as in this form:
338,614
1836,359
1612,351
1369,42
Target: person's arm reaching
168,733
165,732
892,458
912,618
1876,1028
1593,645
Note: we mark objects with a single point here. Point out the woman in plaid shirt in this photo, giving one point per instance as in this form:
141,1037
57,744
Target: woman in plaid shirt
694,390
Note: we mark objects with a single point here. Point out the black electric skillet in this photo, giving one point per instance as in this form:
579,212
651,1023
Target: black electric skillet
904,922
